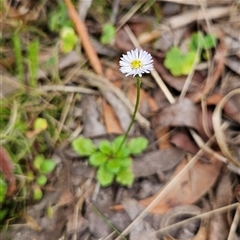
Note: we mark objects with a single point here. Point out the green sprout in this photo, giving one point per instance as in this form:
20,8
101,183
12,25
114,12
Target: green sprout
68,39
43,167
111,161
40,124
108,33
179,63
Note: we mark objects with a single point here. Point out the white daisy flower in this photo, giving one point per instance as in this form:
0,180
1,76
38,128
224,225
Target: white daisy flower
136,62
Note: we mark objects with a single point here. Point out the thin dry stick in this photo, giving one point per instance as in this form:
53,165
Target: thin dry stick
207,149
83,34
129,14
202,215
218,156
194,15
165,190
189,77
154,73
189,2
62,88
210,29
235,224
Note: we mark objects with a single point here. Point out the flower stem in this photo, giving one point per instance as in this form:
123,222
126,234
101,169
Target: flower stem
138,82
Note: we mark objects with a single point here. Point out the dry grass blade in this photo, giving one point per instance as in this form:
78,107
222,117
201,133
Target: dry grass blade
12,121
72,89
220,136
63,117
188,2
200,216
189,77
207,149
189,17
129,14
235,224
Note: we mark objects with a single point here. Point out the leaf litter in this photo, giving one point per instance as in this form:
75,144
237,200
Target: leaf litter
176,178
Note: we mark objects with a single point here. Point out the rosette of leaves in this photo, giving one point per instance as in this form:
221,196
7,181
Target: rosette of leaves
111,161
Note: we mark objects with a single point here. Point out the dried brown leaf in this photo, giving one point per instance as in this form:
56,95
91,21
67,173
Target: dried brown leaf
182,140
183,114
143,230
91,116
110,119
190,188
160,160
237,192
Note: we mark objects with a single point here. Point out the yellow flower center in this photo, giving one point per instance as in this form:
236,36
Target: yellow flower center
136,64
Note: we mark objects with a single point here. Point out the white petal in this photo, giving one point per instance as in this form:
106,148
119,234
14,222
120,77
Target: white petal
122,63
130,56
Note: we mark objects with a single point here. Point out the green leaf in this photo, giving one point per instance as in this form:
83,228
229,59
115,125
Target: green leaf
83,146
97,159
50,211
38,160
37,193
114,165
173,61
3,213
196,38
40,124
125,162
105,147
104,176
47,166
58,18
137,145
30,175
116,143
205,42
188,60
123,152
41,180
177,63
3,190
125,177
68,39
108,33
119,152
210,41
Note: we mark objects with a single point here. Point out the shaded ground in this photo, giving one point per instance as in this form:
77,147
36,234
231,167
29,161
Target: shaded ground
191,166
